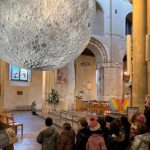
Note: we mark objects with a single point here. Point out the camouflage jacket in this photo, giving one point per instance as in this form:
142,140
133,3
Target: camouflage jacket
49,138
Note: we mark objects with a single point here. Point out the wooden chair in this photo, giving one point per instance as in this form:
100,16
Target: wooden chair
8,119
15,125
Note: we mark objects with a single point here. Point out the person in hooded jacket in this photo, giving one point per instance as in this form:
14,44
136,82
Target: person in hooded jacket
49,137
142,141
67,138
96,140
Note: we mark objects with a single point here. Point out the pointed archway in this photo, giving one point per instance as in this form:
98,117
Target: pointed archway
102,57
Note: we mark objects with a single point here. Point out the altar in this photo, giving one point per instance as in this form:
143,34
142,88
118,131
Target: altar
93,106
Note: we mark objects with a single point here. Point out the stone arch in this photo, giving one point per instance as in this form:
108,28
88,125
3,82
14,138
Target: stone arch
100,52
97,2
128,21
102,58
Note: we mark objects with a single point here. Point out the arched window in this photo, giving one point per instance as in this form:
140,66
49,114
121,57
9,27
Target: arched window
129,24
99,21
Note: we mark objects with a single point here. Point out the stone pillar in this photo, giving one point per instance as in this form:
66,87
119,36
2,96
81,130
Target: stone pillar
113,81
49,81
139,63
148,32
100,83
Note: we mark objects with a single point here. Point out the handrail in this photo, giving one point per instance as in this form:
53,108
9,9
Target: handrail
77,114
66,116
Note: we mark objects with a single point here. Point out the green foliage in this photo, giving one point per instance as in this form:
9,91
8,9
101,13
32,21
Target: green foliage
53,97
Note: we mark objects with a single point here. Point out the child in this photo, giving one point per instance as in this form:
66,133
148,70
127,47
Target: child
96,140
82,134
67,139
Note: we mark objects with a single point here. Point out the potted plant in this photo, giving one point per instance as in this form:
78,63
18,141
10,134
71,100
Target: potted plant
53,98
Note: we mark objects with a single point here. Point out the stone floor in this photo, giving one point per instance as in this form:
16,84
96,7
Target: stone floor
32,126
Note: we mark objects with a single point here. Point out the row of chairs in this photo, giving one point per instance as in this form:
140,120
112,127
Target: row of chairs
7,118
98,108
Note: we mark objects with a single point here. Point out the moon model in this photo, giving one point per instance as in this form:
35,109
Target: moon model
44,34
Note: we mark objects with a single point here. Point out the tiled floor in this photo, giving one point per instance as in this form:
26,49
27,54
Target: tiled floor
32,126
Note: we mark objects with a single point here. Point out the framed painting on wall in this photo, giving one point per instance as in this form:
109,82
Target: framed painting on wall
131,111
19,74
14,73
23,74
62,75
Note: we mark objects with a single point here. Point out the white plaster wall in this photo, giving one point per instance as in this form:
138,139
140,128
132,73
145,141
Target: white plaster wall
31,92
114,25
66,90
115,12
84,75
118,28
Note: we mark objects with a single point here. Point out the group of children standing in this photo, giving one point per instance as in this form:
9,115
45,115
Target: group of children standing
102,133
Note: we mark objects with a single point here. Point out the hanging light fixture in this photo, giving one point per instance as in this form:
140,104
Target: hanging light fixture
44,34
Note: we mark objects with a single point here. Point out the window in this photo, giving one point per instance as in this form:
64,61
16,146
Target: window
19,74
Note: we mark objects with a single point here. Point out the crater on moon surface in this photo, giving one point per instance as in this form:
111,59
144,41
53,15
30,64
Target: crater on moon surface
44,34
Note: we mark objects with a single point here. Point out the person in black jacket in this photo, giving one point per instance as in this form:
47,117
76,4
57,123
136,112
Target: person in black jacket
82,134
147,111
116,137
33,108
125,128
104,129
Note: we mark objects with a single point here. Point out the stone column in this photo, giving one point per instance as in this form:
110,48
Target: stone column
139,63
100,83
113,79
148,32
49,81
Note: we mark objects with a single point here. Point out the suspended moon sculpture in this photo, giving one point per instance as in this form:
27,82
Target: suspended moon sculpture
43,34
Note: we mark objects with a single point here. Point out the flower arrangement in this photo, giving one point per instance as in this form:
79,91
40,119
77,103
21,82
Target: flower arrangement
53,97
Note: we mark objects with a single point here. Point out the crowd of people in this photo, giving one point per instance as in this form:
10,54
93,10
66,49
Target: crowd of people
100,133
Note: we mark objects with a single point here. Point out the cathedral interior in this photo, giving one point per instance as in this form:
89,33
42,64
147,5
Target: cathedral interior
69,59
